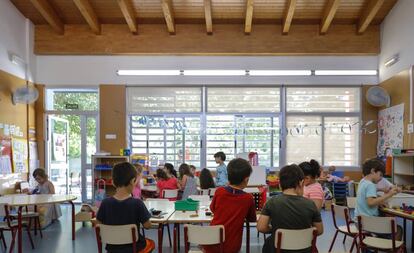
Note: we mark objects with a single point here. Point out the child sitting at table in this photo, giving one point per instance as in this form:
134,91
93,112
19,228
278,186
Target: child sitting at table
312,189
188,182
165,183
206,179
48,213
136,193
122,209
232,206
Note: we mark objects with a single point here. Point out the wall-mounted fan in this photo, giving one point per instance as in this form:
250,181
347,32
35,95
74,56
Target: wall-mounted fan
378,96
25,95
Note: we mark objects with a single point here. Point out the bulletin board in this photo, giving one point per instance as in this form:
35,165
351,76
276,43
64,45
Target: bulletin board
390,128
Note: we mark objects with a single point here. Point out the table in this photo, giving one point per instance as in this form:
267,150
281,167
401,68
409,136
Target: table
166,207
185,217
405,216
149,191
20,201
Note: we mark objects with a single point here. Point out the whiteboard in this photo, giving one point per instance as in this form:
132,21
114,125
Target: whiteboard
258,176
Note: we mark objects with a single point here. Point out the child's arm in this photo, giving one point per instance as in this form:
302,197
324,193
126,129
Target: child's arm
318,203
263,224
147,224
319,227
372,201
183,182
51,188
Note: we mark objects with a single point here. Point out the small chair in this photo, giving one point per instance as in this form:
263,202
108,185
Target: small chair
203,235
169,194
351,202
379,225
12,226
349,229
212,192
291,239
119,235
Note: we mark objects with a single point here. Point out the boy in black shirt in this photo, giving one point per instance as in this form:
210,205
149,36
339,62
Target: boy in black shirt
289,210
122,209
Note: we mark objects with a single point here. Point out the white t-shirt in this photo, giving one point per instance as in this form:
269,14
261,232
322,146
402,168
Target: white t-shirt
384,184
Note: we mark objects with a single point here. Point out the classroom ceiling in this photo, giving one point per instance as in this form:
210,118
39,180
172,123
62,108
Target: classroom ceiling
244,16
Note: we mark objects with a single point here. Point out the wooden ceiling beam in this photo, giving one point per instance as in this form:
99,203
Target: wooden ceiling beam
46,10
249,17
168,11
129,15
89,14
369,14
208,17
287,19
329,14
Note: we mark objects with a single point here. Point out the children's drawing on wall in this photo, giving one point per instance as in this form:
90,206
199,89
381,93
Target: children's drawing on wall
390,128
20,155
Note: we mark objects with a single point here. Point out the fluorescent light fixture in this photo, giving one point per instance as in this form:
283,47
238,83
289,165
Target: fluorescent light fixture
152,72
280,72
393,60
212,72
346,72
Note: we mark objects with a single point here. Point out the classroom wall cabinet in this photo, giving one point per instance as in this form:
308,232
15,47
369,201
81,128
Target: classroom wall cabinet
403,169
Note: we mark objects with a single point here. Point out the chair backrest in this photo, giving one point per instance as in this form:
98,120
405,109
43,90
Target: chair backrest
212,191
351,202
339,212
24,186
375,224
204,192
118,234
204,235
155,199
170,194
288,239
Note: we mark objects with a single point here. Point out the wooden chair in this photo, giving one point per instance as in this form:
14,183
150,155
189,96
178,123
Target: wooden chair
12,226
203,235
290,239
119,235
369,225
349,229
169,194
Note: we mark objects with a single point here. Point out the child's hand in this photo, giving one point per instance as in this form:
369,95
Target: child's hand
393,191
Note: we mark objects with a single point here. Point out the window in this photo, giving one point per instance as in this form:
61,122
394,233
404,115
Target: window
163,100
72,100
322,124
168,139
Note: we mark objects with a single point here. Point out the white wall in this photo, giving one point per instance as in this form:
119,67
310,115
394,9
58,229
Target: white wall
397,36
16,34
95,70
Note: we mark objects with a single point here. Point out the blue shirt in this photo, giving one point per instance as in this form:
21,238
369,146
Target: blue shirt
366,189
221,174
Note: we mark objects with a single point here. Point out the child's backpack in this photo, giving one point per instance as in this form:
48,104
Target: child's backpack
100,193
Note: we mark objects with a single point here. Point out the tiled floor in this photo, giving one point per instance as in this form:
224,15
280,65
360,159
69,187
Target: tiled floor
57,238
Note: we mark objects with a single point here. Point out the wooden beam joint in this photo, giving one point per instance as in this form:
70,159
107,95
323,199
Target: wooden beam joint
287,20
329,14
168,11
89,14
249,17
46,10
208,17
129,15
369,14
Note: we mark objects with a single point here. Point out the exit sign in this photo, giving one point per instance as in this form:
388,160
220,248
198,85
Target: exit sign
72,106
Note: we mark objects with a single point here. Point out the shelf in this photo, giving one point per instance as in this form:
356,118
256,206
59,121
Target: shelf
105,169
403,174
404,155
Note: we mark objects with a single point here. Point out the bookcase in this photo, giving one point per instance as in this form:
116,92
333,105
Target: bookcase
403,169
102,169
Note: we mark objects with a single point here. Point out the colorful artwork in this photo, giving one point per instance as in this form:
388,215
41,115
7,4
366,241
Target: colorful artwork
390,128
20,155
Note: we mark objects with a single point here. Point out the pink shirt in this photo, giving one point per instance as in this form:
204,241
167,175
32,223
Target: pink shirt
136,192
313,191
169,184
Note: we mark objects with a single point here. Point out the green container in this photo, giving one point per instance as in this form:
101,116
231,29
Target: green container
187,205
396,151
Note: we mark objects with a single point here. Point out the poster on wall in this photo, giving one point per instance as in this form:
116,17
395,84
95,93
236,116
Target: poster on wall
59,147
390,128
33,160
19,155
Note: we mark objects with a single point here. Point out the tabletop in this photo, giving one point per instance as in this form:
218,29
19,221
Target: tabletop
150,188
37,199
167,207
193,216
394,212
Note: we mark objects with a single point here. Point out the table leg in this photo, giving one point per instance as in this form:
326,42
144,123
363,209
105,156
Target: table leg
160,237
19,229
247,237
73,220
405,230
175,239
412,235
178,236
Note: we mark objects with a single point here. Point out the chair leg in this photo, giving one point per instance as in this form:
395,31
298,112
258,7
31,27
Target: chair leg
353,245
35,225
14,232
39,226
169,234
3,240
344,239
29,234
333,241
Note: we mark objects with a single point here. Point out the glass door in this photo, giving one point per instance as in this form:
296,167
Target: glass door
72,140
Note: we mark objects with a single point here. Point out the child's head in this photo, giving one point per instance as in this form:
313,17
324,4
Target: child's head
124,175
206,179
291,177
331,169
139,168
184,169
239,171
169,169
220,157
373,168
40,175
310,172
161,175
193,169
